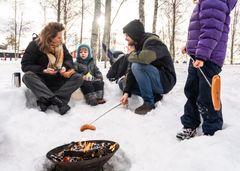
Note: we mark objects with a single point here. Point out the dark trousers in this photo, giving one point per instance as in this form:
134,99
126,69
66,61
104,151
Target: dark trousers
40,89
199,100
92,86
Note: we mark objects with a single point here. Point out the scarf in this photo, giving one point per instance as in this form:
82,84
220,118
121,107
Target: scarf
55,57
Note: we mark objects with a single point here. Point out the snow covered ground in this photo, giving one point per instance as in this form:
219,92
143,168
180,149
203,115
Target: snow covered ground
147,143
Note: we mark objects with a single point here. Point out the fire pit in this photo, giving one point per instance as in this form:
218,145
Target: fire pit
83,156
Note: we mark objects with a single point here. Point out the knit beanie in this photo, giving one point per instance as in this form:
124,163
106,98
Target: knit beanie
135,30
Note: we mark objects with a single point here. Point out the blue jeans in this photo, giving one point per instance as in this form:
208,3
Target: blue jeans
148,82
199,100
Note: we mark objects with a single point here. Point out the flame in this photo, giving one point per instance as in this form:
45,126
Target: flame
90,150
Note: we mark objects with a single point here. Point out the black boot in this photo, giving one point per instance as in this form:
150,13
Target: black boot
43,103
144,109
91,99
157,97
62,106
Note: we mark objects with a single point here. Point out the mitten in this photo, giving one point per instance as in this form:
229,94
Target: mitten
88,77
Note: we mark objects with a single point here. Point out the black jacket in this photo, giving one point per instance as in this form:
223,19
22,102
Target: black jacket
150,50
36,61
118,68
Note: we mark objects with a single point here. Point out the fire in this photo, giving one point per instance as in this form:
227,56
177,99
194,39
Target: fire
78,151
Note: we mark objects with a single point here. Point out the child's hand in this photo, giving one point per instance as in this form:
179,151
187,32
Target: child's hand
184,50
88,77
197,63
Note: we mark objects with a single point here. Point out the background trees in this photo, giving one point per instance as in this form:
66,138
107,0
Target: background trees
101,21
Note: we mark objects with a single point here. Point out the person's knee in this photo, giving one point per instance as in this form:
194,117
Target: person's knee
136,67
78,78
27,76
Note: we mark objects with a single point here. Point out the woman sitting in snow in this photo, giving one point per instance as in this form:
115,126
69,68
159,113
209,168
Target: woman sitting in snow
93,84
49,70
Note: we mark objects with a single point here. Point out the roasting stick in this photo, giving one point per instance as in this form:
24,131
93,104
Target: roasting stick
92,127
215,89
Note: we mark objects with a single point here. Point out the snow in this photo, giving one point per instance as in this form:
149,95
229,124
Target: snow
147,143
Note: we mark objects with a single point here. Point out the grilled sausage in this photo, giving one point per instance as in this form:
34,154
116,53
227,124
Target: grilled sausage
87,126
216,90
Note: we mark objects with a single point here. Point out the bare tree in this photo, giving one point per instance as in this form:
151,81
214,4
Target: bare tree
155,16
16,29
233,33
70,13
107,29
56,5
58,10
119,7
43,4
173,11
95,29
141,11
81,32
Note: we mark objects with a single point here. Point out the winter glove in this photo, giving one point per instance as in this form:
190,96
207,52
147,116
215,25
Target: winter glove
88,77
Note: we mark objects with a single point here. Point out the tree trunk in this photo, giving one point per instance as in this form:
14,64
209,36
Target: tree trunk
233,35
155,16
81,33
107,30
19,34
141,11
96,31
15,30
58,11
173,30
65,19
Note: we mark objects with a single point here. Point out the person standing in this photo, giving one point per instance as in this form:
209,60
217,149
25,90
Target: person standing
48,69
151,73
207,43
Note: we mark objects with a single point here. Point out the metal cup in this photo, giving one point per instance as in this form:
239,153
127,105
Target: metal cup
17,79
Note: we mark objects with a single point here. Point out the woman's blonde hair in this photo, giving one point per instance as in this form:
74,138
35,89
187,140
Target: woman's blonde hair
49,32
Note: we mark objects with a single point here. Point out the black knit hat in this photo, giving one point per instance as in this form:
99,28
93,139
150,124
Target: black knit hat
135,30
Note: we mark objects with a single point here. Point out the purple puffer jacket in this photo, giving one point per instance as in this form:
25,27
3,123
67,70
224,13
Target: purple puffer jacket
208,30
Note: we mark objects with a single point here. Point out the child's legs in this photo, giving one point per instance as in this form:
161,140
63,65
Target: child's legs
98,88
191,116
212,120
87,87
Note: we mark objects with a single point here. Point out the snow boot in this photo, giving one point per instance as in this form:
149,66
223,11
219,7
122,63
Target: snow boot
62,106
91,99
101,101
144,109
43,103
99,97
157,97
186,133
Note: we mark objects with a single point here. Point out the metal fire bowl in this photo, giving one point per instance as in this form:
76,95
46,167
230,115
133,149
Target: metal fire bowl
94,164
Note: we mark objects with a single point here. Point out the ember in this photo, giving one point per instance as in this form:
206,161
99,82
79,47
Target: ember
82,154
